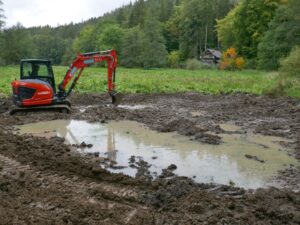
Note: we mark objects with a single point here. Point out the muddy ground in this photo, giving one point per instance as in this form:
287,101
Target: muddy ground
43,181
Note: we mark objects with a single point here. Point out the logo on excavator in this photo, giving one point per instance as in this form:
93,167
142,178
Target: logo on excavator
89,61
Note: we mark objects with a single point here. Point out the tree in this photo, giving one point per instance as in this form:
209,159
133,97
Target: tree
121,16
171,31
155,53
165,10
197,25
137,15
282,36
68,53
252,22
110,38
244,27
227,34
49,47
86,41
225,27
132,48
2,17
18,44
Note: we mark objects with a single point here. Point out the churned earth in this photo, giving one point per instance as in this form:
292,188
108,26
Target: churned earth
44,181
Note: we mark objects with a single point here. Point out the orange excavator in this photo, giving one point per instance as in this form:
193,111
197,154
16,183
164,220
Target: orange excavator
36,89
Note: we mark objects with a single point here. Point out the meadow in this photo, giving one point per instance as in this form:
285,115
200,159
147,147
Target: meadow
210,81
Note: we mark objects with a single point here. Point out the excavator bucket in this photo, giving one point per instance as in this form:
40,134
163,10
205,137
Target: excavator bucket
116,98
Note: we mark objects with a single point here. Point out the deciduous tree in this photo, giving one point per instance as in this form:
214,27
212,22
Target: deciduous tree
86,40
110,37
283,35
245,26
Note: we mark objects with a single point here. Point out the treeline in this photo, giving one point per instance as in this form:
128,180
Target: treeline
158,33
263,31
144,34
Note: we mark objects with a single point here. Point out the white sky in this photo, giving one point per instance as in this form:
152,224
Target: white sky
56,12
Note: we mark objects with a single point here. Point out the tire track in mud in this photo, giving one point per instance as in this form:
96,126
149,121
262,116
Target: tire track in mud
14,166
90,196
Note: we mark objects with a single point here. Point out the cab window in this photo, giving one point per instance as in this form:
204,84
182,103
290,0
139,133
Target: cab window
35,69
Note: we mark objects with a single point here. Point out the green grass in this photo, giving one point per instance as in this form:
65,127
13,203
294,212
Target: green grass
94,80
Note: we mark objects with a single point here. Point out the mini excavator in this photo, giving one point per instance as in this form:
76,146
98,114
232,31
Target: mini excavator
36,89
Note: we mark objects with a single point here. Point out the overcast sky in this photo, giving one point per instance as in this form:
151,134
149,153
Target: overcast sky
53,12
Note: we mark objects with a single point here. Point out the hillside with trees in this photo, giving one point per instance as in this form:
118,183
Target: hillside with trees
160,33
143,33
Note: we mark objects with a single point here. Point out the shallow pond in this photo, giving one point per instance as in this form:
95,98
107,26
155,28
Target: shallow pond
222,163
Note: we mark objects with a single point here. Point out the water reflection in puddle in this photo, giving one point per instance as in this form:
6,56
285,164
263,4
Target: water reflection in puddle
206,163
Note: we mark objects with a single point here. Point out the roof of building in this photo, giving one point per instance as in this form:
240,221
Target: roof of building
215,53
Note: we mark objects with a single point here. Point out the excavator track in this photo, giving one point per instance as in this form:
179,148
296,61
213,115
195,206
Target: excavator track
58,108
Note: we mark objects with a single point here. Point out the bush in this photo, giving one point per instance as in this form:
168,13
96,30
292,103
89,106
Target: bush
289,73
174,59
231,61
290,66
251,64
194,64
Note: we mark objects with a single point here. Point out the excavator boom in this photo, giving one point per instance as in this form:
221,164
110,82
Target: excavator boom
85,60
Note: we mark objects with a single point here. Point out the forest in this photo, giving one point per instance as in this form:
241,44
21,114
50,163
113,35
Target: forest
167,33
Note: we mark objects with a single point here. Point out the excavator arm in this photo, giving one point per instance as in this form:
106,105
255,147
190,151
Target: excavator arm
85,60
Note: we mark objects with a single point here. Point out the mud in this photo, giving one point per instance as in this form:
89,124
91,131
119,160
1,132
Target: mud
44,181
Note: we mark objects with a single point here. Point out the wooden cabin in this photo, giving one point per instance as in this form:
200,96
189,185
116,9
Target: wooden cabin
211,56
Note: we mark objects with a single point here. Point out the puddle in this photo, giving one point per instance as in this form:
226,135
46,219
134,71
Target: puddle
83,109
134,107
202,162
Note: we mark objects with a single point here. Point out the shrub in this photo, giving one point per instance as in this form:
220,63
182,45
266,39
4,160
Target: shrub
193,64
240,63
290,66
174,59
251,64
289,73
231,61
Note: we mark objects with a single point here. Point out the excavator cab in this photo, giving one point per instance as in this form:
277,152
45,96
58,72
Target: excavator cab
37,69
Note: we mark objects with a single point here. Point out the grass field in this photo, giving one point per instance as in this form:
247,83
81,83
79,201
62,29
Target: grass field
94,80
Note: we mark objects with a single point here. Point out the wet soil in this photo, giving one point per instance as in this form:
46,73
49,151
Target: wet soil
43,181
